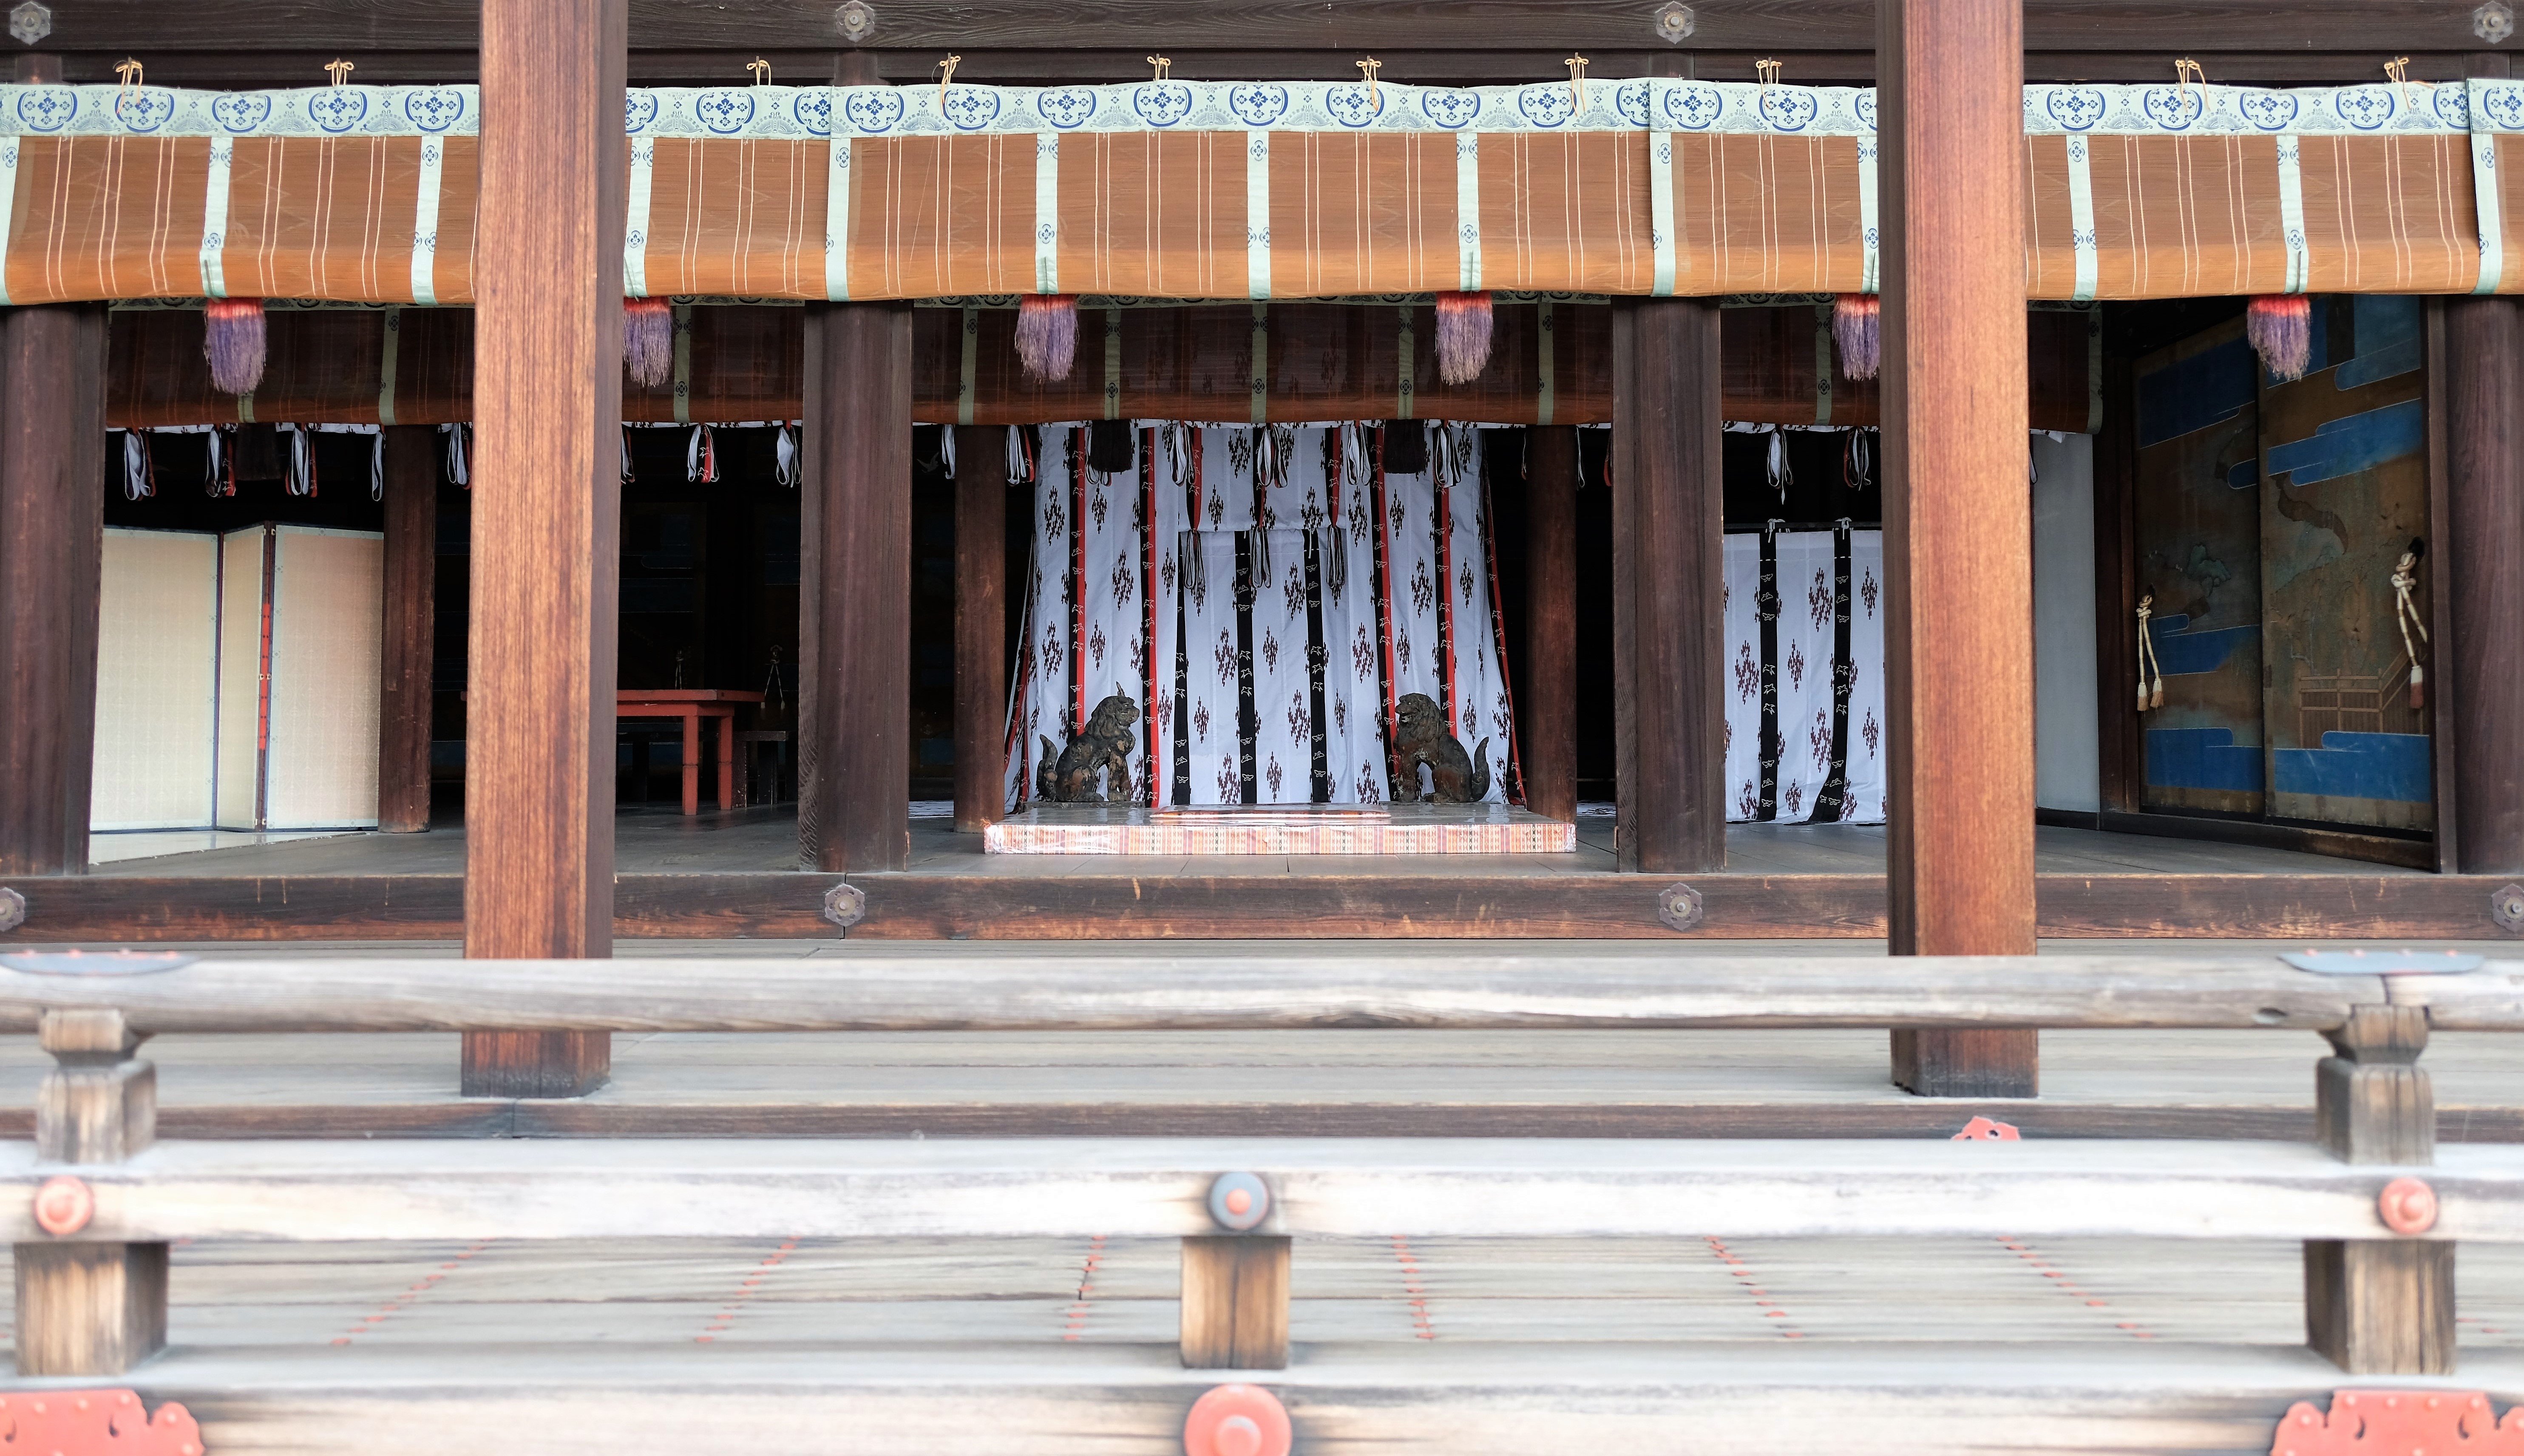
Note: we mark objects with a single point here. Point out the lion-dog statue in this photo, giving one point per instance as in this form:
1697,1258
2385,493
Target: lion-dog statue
1454,777
1104,745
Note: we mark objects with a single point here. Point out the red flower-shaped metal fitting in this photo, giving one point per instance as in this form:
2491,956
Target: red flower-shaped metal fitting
64,1206
1236,1421
2407,1206
95,1423
2396,1422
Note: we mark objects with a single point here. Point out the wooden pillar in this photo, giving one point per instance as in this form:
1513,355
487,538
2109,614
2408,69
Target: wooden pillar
2482,553
981,623
1957,513
410,628
1546,688
1235,1302
547,517
52,551
91,1308
854,593
2379,1306
1668,574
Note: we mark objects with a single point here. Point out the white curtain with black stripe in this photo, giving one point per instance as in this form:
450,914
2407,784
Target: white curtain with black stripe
1805,676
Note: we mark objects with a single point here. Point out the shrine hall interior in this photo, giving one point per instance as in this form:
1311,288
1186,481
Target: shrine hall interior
2145,478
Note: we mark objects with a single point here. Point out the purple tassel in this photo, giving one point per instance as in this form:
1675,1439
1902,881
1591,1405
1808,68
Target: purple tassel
649,340
1857,326
234,341
2282,332
1463,336
1047,334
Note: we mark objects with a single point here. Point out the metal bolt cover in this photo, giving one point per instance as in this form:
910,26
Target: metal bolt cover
855,20
1239,1201
2408,1206
846,906
30,22
1679,906
64,1206
13,909
1675,22
2493,21
2507,907
1236,1421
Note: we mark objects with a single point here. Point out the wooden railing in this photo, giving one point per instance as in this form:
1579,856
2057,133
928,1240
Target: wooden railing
96,1202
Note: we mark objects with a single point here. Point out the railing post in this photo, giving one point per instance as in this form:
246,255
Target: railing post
91,1308
2379,1306
1236,1285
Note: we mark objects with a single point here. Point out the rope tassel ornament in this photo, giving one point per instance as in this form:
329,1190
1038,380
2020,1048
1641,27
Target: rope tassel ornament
2405,615
649,340
1047,334
1857,326
2150,676
2281,327
233,340
1463,336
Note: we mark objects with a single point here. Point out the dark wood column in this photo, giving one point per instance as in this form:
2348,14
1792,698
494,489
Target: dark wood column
981,623
1668,525
410,628
1546,688
854,590
1958,514
52,548
2482,554
547,517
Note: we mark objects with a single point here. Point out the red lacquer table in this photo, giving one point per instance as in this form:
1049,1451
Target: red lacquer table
692,705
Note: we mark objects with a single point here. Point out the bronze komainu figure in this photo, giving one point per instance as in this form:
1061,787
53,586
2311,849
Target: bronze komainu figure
1422,738
1104,743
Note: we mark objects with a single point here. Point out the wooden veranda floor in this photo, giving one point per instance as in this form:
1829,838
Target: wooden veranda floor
734,874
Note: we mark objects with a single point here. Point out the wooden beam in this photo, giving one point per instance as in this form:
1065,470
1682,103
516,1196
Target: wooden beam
1668,531
855,597
1727,27
411,634
1163,989
52,553
981,624
1156,1187
547,517
2481,567
1957,524
1546,687
1235,1302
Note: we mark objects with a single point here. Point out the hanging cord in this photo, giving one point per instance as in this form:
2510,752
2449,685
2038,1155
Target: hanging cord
2185,72
1857,461
783,455
139,470
627,476
377,465
2150,676
1576,82
218,476
701,457
1780,473
300,479
1367,71
774,696
2405,615
947,78
946,451
1021,447
456,474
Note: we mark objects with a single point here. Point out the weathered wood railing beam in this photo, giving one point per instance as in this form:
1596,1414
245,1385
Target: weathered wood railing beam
1158,1187
918,989
2379,1306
